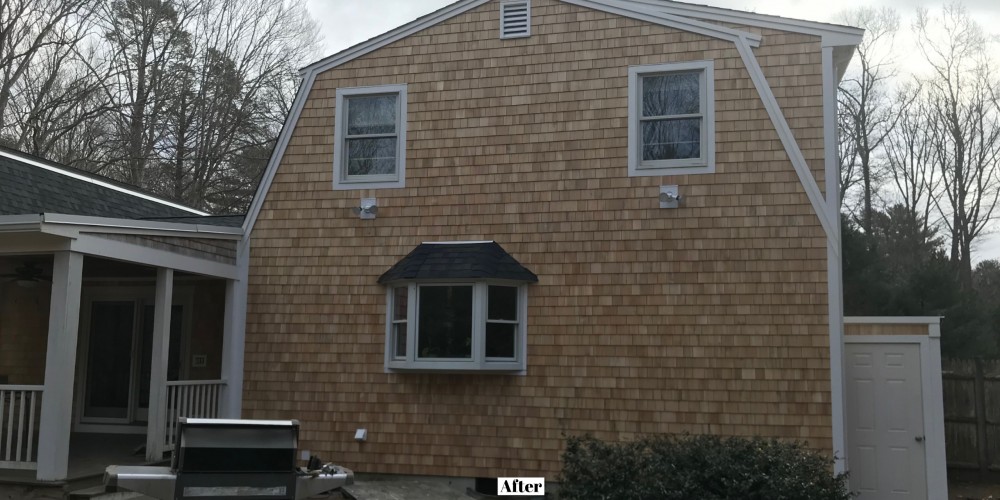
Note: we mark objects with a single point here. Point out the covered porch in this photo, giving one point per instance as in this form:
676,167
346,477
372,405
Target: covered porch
110,332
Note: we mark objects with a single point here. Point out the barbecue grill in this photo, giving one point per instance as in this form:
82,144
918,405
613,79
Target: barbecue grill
218,459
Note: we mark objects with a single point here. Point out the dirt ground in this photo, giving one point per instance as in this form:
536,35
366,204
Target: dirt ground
967,485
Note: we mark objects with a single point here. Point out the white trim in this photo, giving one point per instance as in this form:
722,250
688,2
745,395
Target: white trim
934,439
668,20
150,256
341,180
526,5
904,320
787,138
834,282
832,34
705,163
162,311
108,185
456,242
885,339
132,226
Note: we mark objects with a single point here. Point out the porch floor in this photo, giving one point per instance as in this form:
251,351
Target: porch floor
89,455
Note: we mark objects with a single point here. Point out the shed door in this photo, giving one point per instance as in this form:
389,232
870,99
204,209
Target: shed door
885,425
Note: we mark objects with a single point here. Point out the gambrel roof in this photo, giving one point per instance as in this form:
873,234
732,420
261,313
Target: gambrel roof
838,44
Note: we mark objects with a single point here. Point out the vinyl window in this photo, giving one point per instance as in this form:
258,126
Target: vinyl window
370,137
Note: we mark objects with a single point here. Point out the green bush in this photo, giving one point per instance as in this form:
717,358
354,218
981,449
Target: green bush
696,468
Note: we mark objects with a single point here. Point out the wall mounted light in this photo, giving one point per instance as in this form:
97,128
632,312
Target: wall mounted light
670,196
368,208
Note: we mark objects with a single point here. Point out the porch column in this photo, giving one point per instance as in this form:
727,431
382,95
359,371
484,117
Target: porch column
234,336
60,367
162,306
232,354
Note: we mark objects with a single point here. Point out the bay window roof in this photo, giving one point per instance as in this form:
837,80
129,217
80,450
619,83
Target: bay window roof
484,260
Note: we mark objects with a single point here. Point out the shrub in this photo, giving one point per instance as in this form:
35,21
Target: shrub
697,468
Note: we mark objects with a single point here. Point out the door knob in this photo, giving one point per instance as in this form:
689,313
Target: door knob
920,439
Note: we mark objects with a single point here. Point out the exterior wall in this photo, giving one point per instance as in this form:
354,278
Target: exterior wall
711,318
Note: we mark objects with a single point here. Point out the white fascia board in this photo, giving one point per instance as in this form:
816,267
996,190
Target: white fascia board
832,34
392,36
630,10
132,226
30,222
279,152
109,185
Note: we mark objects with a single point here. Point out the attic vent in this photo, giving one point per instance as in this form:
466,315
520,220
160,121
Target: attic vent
515,19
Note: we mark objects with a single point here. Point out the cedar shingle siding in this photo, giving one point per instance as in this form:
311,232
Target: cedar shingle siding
710,318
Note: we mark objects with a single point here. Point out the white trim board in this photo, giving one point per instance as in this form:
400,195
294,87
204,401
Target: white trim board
883,320
92,180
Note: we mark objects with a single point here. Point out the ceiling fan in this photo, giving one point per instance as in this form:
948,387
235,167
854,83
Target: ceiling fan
28,275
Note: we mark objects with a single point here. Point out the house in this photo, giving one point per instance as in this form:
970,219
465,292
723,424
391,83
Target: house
503,223
117,315
511,221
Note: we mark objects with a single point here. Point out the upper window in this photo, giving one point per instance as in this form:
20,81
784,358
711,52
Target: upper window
370,137
671,119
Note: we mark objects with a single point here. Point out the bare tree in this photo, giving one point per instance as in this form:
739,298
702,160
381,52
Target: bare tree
964,125
908,149
866,117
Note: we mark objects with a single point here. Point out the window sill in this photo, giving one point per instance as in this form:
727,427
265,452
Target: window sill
491,367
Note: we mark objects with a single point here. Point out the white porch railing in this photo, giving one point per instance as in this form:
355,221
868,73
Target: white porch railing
190,398
20,408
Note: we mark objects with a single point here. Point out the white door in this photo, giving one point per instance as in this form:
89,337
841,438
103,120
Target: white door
885,425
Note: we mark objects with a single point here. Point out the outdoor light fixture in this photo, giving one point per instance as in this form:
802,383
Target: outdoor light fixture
670,196
367,210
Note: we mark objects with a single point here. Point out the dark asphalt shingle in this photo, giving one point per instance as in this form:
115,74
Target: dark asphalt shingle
436,261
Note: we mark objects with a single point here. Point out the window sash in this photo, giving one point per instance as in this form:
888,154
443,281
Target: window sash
370,165
640,91
411,360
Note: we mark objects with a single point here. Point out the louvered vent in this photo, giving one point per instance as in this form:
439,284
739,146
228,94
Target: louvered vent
515,19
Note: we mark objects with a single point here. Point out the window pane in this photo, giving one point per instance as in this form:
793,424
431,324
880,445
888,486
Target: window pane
503,303
500,340
671,139
371,115
675,94
399,335
371,156
445,327
399,303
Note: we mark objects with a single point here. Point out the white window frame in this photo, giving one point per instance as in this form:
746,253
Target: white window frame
705,164
341,181
478,362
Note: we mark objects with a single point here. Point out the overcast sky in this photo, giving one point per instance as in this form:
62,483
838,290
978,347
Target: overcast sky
344,23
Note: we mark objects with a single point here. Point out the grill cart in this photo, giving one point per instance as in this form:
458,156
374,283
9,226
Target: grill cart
217,459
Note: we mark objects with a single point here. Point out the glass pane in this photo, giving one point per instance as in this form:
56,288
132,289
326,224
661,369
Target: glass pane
109,360
671,139
399,335
674,94
371,115
503,303
445,328
500,340
371,156
399,303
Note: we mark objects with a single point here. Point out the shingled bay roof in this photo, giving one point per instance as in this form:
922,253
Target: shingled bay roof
445,261
31,185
